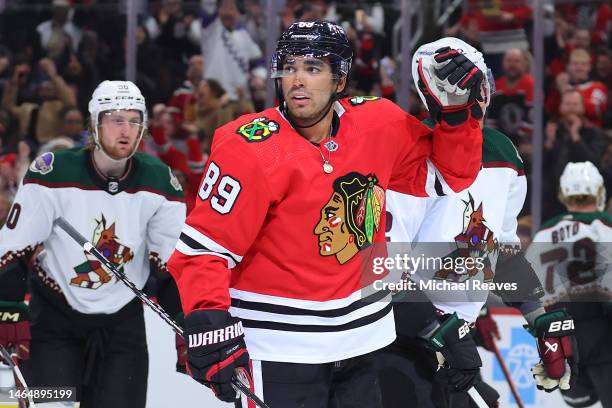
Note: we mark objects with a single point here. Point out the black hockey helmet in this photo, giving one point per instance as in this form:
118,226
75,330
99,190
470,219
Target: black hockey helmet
318,39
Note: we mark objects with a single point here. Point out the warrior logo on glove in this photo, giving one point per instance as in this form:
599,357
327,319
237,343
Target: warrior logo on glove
216,350
216,336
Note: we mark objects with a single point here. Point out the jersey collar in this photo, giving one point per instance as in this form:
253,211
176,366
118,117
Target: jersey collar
112,185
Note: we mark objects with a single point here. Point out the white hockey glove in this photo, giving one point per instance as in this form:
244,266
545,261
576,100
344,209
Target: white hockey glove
451,85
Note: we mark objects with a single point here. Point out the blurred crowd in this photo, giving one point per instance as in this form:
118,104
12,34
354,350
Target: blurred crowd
202,63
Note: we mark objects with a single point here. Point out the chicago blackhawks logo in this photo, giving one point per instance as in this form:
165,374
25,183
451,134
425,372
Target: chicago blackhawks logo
475,240
351,217
258,129
92,274
358,100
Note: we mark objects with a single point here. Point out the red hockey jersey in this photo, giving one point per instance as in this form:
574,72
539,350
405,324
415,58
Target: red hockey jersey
594,96
295,239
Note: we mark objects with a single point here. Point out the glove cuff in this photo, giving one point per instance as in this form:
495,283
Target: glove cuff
12,312
557,323
457,115
451,330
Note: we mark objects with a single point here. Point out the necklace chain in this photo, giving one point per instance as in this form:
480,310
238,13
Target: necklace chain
327,166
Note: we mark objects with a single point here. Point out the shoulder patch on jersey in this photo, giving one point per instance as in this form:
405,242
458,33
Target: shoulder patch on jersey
258,130
64,168
359,100
43,164
174,181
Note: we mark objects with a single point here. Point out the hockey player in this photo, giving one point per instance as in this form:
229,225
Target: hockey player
479,222
571,254
289,207
87,329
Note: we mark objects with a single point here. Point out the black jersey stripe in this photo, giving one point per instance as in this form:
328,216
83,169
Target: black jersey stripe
197,246
295,311
438,187
311,328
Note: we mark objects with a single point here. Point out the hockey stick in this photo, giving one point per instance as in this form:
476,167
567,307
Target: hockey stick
90,249
504,368
478,400
472,391
19,380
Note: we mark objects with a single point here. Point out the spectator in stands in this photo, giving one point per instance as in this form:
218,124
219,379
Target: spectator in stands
594,93
581,39
590,16
81,79
571,138
73,126
258,84
5,65
255,22
365,64
603,67
40,121
370,17
9,132
513,100
231,48
185,159
388,78
96,63
500,24
13,167
59,35
605,166
27,86
207,110
5,206
183,95
164,44
172,29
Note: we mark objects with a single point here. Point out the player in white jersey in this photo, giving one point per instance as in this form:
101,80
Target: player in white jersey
572,255
83,328
477,223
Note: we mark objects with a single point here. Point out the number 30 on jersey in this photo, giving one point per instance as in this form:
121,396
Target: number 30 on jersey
226,189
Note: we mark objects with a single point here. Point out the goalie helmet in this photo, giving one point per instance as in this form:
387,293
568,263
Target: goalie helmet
427,52
116,95
317,39
583,178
